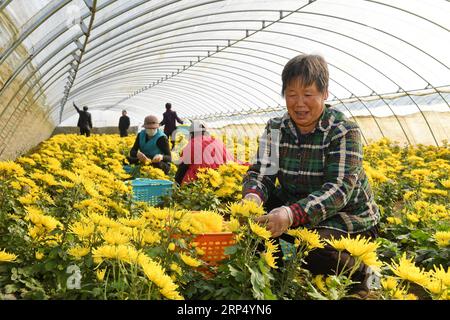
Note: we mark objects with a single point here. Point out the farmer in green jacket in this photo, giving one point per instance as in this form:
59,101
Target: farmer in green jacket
151,146
316,153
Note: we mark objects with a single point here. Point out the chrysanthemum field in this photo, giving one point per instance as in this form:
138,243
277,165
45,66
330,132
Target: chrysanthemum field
70,229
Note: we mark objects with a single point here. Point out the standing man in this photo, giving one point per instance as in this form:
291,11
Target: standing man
84,121
169,118
124,124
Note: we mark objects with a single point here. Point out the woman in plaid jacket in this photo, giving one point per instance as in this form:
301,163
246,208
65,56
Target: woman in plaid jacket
316,153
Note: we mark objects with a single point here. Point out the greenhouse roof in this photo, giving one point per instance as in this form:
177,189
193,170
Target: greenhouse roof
212,58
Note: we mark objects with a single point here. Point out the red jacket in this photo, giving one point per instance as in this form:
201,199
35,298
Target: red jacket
203,152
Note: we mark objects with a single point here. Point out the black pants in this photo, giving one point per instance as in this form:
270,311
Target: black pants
325,260
123,133
85,131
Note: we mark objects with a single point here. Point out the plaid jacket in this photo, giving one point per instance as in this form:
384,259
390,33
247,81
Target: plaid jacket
320,174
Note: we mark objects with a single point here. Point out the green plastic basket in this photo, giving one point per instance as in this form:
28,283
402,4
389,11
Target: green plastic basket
149,190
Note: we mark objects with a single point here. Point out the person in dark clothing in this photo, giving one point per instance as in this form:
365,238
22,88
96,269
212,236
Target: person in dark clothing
124,124
169,122
84,121
151,144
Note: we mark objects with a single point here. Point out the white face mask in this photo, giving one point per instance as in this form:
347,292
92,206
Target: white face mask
150,132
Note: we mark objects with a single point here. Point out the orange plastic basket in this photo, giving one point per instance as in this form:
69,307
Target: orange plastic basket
214,244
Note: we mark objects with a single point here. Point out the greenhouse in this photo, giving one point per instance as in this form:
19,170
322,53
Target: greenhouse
224,150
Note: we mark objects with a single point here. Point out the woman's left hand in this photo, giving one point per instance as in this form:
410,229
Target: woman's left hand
276,221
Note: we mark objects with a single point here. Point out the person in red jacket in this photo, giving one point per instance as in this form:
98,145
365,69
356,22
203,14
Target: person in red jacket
202,151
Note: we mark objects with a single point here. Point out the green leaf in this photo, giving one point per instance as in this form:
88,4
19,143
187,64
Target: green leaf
237,274
50,265
420,235
258,283
268,294
11,288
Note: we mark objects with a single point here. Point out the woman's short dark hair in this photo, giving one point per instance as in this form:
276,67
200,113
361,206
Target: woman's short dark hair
309,69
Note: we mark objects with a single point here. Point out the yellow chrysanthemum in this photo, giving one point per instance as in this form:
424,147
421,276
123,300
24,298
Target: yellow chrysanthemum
150,237
155,273
436,287
11,169
389,283
25,160
270,259
440,274
338,244
175,267
115,238
412,217
7,257
371,259
310,237
16,185
320,284
39,255
408,195
407,270
215,179
442,238
246,208
399,294
45,177
133,223
271,249
394,220
232,226
360,248
78,252
82,230
436,192
125,253
192,262
36,216
89,186
101,274
446,183
203,222
171,246
93,205
199,251
410,296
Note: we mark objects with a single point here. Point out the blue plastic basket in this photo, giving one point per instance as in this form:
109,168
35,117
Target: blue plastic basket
149,190
183,128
